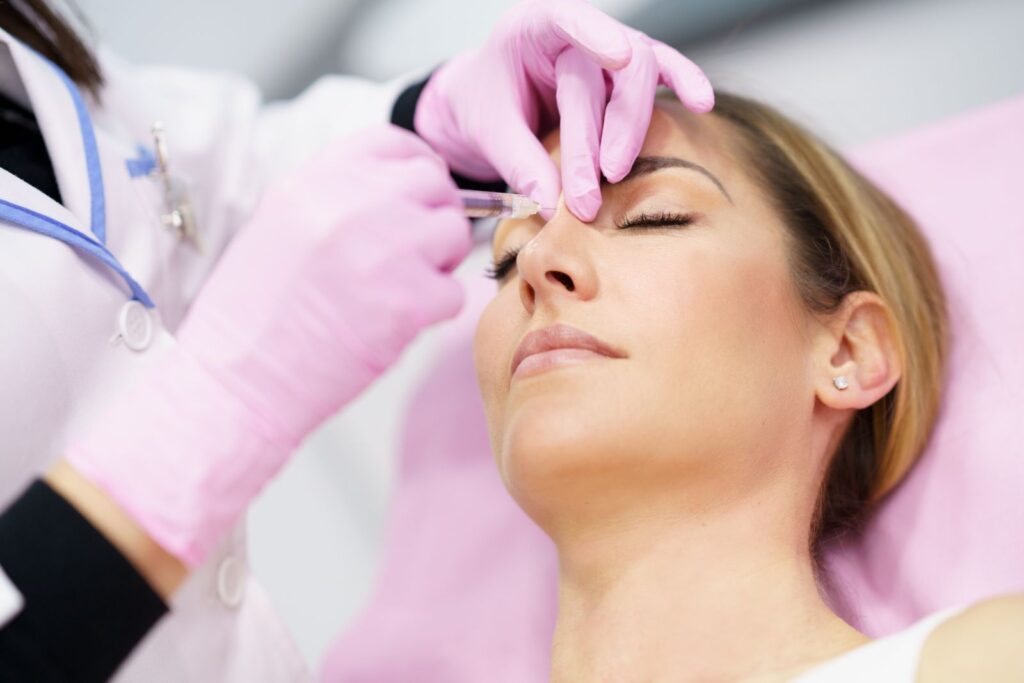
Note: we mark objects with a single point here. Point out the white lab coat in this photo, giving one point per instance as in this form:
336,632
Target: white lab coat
60,309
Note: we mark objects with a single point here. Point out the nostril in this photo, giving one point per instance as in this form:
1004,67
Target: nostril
526,295
562,278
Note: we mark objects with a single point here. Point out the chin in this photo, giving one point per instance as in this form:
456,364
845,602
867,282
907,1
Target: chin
554,455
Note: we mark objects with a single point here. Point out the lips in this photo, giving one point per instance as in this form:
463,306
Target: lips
558,337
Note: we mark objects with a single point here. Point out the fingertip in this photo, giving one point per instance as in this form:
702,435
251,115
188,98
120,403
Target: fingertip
544,191
702,107
547,201
701,99
582,186
585,205
616,48
686,79
524,164
616,57
614,168
542,186
613,55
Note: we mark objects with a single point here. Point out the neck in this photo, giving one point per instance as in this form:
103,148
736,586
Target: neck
714,595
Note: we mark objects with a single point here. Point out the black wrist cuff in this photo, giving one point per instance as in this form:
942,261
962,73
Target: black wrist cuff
86,607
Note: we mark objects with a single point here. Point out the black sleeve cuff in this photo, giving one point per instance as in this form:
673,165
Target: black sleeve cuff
86,607
403,115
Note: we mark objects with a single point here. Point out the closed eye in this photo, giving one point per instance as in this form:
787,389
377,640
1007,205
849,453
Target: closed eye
657,219
502,266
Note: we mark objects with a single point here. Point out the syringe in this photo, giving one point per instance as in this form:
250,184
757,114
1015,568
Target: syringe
479,204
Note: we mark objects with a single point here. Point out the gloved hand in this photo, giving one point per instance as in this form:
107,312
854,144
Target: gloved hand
339,269
547,61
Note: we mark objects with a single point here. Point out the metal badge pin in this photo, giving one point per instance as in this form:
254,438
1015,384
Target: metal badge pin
178,215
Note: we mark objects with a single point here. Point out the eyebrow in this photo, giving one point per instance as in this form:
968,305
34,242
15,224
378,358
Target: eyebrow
646,165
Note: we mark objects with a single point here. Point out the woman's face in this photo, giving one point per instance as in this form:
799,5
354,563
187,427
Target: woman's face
700,383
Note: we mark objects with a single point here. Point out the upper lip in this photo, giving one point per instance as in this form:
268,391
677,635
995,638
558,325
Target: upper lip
561,337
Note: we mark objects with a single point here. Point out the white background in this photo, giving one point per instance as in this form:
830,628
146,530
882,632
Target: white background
853,70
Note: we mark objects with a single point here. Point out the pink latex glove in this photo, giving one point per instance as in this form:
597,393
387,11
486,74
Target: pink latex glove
551,61
340,268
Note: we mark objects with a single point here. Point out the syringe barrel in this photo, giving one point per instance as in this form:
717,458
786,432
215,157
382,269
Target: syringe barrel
479,204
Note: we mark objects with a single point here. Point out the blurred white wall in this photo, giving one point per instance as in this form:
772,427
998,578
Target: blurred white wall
283,46
858,71
274,43
854,71
395,36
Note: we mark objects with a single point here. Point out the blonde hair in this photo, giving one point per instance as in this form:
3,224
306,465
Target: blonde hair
848,235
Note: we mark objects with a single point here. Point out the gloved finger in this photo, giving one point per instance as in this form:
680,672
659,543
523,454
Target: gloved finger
629,113
443,238
685,78
583,26
581,99
440,297
419,179
519,157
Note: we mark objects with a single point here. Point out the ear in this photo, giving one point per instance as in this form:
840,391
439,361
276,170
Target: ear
858,343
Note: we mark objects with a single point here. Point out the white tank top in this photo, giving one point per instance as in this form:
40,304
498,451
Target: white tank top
892,659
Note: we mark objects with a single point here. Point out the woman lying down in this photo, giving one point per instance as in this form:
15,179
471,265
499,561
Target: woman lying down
692,393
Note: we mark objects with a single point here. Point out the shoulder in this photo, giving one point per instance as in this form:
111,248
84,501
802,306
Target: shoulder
984,642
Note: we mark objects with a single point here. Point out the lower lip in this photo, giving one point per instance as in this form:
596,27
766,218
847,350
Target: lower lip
556,358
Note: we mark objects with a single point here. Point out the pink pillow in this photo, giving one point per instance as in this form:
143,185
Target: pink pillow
953,531
467,585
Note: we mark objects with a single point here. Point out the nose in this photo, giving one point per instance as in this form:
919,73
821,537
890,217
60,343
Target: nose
556,265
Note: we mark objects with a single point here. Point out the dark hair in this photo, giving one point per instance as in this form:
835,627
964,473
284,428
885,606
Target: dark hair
38,25
847,235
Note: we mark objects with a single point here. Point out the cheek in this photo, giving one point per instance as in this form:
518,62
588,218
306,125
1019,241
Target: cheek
721,322
747,303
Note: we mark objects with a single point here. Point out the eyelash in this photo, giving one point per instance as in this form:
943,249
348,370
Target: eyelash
644,221
659,219
500,268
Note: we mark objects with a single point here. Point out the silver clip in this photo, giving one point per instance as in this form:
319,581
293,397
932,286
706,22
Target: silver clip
178,214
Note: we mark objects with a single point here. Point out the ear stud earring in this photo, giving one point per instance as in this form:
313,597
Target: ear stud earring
841,382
